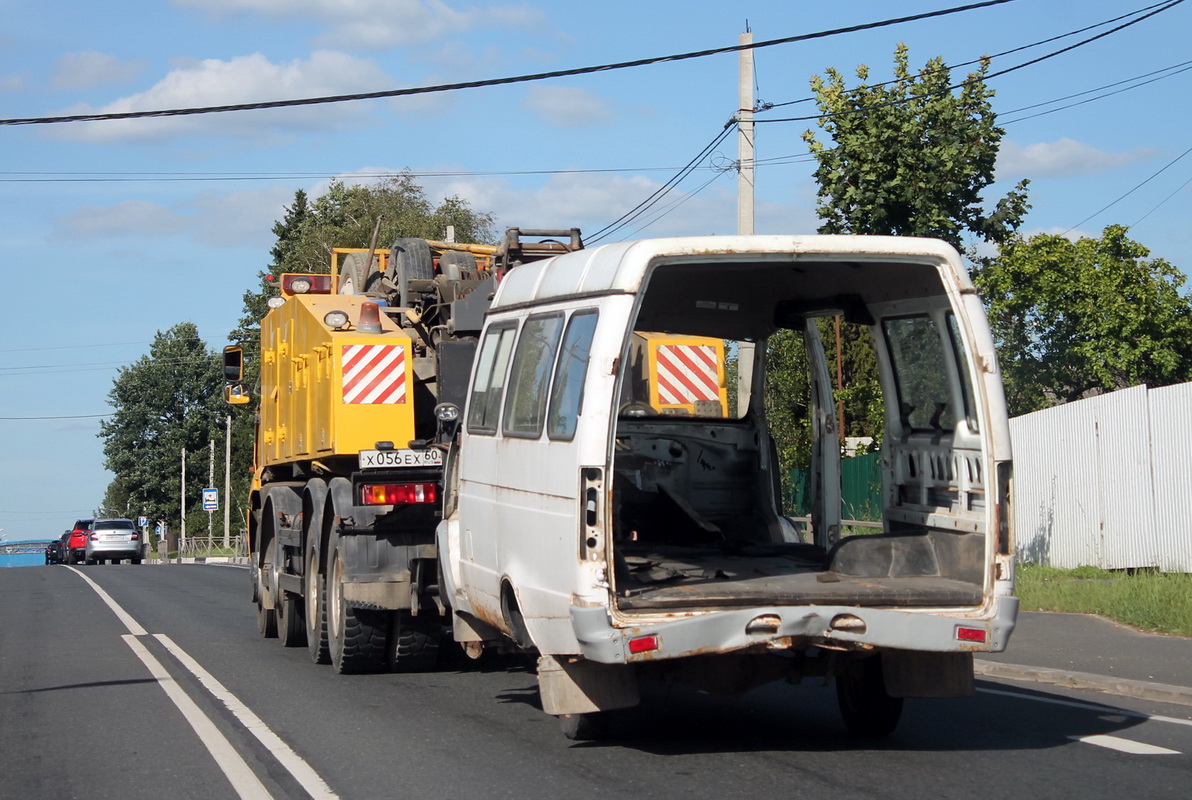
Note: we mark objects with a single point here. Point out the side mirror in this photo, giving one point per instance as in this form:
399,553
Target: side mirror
235,395
233,363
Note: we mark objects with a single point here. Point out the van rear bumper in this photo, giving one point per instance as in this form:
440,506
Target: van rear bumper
780,628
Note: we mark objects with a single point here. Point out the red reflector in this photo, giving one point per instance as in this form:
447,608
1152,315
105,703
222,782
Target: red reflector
970,634
390,494
643,644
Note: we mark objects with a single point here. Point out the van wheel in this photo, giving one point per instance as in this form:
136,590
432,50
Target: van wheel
414,642
867,709
584,727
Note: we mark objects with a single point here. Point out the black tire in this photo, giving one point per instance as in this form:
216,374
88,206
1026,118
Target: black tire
316,607
410,260
355,637
867,709
357,273
454,263
134,560
291,627
266,616
414,642
584,727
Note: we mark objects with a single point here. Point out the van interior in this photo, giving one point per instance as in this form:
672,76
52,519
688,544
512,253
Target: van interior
702,514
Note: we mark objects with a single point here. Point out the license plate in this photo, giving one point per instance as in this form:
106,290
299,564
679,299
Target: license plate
373,459
113,537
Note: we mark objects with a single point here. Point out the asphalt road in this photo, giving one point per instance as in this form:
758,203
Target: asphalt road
95,705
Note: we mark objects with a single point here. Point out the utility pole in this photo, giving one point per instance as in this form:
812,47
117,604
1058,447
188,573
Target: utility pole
182,527
227,501
745,163
210,482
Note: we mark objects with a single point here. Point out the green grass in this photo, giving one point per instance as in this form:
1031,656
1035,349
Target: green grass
1145,599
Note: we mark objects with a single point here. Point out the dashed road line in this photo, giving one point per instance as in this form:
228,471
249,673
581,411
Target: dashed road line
1125,745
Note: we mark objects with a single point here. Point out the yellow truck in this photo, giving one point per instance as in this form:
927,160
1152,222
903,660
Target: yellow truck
348,464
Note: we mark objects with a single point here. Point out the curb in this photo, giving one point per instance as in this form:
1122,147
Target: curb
1145,690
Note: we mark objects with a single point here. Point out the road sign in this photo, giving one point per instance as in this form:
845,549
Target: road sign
211,499
142,522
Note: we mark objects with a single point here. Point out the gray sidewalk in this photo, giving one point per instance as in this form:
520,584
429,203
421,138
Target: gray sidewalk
1084,651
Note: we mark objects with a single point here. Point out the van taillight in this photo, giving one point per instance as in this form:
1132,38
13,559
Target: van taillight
391,494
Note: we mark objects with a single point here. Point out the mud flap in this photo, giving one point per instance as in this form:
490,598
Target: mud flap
916,674
584,687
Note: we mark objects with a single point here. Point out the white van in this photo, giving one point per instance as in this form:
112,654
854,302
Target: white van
613,500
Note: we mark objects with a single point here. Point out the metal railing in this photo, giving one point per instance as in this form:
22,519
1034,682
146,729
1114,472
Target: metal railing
202,547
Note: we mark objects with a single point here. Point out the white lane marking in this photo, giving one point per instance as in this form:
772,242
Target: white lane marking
306,776
131,624
1089,706
310,780
237,771
1125,745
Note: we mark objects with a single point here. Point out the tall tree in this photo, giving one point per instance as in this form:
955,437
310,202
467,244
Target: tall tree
1072,319
164,403
908,157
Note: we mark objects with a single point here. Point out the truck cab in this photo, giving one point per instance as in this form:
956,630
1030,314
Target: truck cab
614,494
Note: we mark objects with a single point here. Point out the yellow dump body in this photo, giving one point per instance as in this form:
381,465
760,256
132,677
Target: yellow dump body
328,392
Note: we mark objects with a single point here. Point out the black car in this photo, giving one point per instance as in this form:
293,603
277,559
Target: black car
53,549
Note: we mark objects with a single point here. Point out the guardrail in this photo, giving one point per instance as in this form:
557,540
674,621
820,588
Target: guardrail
205,547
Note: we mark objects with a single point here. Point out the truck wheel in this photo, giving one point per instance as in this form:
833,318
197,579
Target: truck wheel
266,616
414,642
291,628
355,637
584,727
410,260
867,709
357,273
316,608
454,263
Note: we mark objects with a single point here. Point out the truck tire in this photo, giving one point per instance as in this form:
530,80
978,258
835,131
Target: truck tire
266,616
414,642
355,637
357,273
453,264
291,628
866,707
316,607
410,260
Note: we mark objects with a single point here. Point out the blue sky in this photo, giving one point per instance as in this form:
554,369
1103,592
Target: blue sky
112,231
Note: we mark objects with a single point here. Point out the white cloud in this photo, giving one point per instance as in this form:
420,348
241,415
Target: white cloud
378,24
1061,158
240,80
88,69
225,219
567,106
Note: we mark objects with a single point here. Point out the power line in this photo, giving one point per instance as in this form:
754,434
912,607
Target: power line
1130,192
989,76
447,87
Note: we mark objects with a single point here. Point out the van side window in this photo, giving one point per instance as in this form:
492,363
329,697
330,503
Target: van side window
921,373
529,379
567,394
484,405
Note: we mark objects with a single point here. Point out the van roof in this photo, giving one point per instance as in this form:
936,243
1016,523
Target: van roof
621,268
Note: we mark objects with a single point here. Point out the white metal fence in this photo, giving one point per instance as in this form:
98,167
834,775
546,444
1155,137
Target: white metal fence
1107,481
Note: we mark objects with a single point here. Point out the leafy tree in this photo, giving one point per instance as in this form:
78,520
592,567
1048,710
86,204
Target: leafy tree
1073,319
165,402
910,157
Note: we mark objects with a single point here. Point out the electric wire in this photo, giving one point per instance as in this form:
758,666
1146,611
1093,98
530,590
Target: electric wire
176,112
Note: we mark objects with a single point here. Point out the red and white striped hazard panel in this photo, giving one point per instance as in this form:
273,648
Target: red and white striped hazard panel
687,373
374,374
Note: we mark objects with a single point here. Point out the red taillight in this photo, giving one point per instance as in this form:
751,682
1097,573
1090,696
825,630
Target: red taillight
94,537
971,635
644,644
392,494
136,536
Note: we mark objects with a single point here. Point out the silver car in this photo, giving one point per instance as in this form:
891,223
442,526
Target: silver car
112,540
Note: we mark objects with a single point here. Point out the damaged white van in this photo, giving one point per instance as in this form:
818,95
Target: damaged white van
613,497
